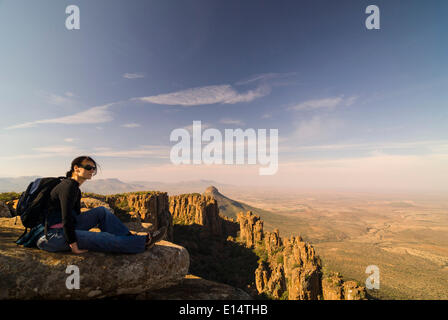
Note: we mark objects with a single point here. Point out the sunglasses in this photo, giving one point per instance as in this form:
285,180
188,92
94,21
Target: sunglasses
88,167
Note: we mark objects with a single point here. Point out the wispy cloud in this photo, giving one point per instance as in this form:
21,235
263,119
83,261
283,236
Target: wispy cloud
66,99
133,75
431,146
144,151
232,121
57,149
131,125
318,127
97,114
207,95
58,100
264,77
203,126
329,103
46,152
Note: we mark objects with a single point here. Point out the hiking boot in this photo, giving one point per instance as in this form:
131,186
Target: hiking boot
156,236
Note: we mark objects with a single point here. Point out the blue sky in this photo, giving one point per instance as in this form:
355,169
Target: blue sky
354,108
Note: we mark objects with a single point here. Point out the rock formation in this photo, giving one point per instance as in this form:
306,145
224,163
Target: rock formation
290,268
4,210
90,203
334,288
194,208
195,288
251,229
27,273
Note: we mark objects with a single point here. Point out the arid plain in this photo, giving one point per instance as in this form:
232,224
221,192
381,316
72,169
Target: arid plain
404,234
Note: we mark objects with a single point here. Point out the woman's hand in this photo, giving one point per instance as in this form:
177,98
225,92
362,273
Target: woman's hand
75,248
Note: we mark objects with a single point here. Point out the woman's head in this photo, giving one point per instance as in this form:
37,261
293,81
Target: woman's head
83,167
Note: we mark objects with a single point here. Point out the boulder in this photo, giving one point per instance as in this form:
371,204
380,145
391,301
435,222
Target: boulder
335,288
88,203
194,288
4,210
27,273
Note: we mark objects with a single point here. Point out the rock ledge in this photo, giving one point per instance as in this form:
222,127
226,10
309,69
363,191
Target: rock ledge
35,274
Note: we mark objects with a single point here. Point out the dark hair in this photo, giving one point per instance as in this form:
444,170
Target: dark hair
77,162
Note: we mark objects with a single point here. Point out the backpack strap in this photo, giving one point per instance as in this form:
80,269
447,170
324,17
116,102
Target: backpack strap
47,209
46,225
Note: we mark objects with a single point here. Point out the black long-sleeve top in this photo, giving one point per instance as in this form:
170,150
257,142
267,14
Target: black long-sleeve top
64,198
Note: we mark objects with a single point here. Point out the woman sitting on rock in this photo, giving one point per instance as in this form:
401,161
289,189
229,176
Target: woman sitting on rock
68,228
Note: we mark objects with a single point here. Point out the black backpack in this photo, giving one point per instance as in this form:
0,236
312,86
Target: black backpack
32,208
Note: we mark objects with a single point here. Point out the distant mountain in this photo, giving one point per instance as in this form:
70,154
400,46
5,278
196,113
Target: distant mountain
113,185
110,186
101,186
230,208
180,187
17,184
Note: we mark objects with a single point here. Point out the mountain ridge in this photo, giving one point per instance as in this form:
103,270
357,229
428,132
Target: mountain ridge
230,208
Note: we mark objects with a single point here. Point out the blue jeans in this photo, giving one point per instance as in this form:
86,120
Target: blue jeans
114,235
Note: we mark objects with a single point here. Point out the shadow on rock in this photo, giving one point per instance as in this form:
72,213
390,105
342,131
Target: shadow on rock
218,257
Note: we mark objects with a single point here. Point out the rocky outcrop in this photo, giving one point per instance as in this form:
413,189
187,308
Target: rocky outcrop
4,210
90,203
195,288
303,268
289,267
251,229
194,208
334,288
27,273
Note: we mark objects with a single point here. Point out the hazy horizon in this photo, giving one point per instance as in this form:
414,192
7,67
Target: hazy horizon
287,190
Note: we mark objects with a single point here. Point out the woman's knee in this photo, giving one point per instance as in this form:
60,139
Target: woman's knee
101,211
106,210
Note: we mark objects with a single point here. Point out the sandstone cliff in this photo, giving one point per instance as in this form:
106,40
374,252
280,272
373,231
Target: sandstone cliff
290,268
334,288
195,208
